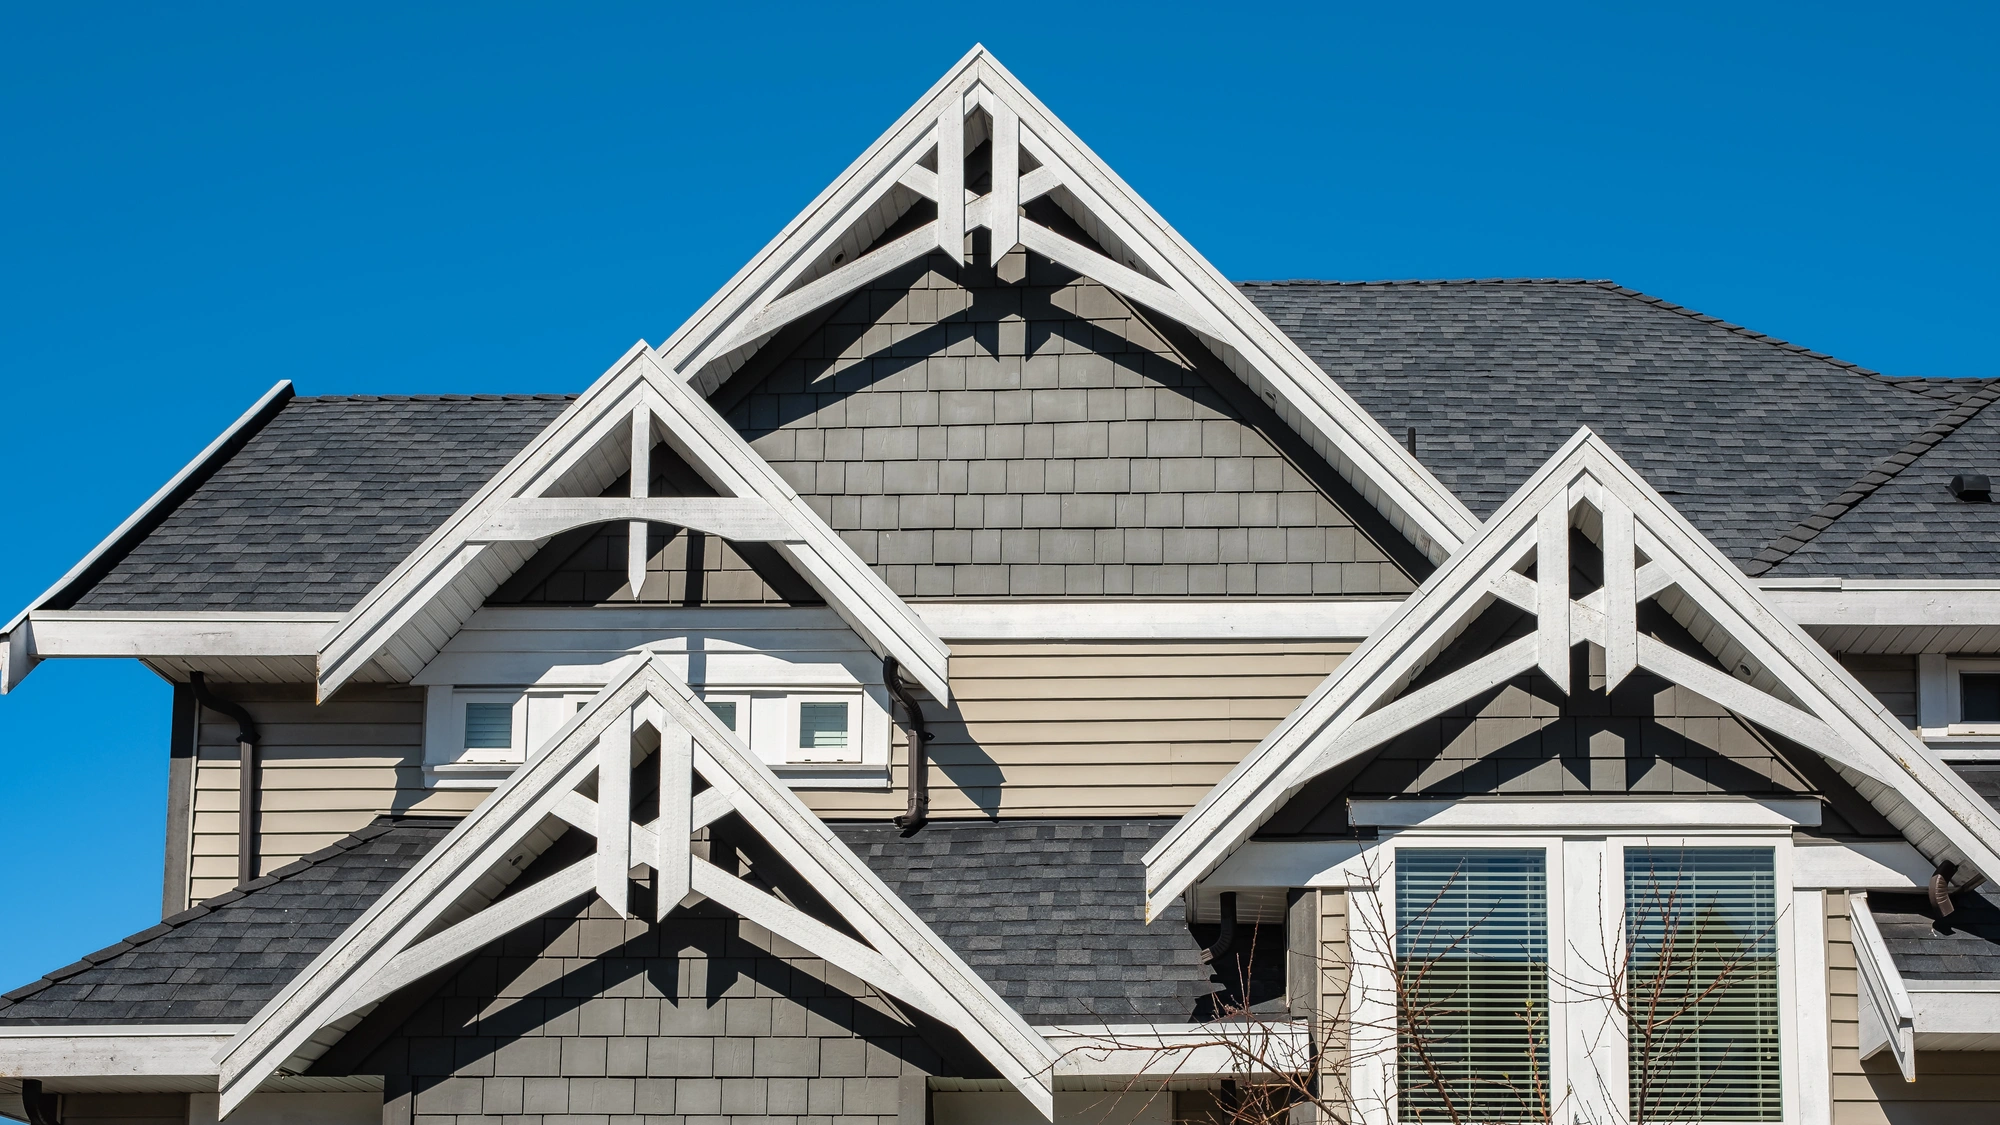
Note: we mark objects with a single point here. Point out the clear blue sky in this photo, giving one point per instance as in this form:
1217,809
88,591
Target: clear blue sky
200,200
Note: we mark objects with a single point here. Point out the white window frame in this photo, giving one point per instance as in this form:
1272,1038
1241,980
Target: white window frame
1939,705
1574,898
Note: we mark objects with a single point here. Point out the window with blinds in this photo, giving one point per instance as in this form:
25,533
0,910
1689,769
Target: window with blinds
1472,951
1702,984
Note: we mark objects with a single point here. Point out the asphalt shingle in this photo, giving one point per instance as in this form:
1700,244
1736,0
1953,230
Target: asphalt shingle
1745,434
219,962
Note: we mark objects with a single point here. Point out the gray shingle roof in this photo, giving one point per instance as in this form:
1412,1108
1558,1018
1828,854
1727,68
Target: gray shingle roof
323,502
1763,445
1048,911
1911,525
1746,435
220,961
1966,947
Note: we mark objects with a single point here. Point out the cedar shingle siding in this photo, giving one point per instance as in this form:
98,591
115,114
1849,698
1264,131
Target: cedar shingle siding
974,438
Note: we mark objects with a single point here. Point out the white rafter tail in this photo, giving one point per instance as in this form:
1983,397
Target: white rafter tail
614,812
951,177
1552,593
1785,682
1621,593
672,853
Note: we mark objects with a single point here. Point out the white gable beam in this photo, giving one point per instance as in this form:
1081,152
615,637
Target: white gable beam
529,519
830,288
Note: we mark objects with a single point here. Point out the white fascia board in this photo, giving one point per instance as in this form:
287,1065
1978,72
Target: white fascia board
1954,1007
1164,620
112,1050
1872,865
1697,815
1885,602
17,659
1179,1050
143,634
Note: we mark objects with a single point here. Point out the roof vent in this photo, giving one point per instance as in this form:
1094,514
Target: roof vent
1971,488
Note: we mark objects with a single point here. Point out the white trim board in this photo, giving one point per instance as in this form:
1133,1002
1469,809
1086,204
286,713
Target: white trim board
450,903
16,655
113,1050
819,257
1783,681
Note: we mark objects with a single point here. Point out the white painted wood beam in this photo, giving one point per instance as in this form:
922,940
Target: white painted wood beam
1393,718
1040,182
1883,993
829,288
1003,213
671,856
743,519
1552,594
806,932
1112,275
467,937
950,233
614,812
640,473
921,180
1621,595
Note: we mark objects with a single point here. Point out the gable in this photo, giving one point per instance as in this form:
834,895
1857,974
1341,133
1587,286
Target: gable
1014,429
660,789
1756,664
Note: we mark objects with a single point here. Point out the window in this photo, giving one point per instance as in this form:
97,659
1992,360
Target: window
823,726
1979,697
1472,951
489,726
1702,984
1592,972
724,711
489,729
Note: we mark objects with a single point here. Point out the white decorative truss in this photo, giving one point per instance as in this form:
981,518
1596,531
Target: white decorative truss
1780,678
835,246
554,485
462,896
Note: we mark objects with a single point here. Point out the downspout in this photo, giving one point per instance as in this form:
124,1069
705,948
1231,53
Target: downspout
919,809
246,775
1226,935
41,1108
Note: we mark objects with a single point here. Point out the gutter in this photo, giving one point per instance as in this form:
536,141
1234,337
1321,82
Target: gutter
919,736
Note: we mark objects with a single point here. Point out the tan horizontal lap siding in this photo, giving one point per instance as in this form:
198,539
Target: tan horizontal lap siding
1952,1087
1114,729
327,770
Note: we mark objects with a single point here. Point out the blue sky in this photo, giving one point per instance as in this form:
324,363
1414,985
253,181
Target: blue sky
201,200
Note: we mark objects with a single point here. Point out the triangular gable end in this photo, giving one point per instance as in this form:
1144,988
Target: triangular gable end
1783,680
456,900
872,220
554,486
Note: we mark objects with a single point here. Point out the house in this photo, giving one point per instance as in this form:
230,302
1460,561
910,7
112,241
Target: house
986,667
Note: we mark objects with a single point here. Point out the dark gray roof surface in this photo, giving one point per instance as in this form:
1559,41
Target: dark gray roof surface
220,961
1965,947
1746,435
323,502
1048,911
1765,446
1912,524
